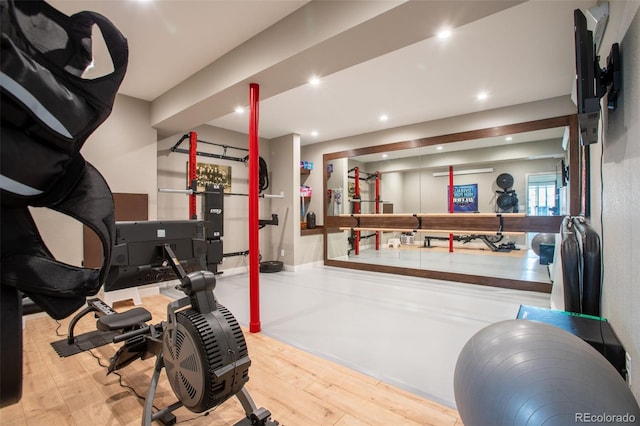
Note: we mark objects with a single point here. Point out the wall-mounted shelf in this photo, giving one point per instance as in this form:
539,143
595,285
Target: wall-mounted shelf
315,231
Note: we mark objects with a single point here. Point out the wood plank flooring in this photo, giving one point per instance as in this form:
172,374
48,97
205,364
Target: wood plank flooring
297,387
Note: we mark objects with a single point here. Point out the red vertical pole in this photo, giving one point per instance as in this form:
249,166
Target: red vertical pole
450,205
377,207
193,178
254,246
356,209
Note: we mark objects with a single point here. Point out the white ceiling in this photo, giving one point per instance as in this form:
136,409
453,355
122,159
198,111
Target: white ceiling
385,59
169,40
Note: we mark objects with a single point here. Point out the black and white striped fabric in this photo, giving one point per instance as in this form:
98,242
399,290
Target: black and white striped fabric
48,111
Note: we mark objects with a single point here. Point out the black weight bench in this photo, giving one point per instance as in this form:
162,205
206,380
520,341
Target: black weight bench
109,324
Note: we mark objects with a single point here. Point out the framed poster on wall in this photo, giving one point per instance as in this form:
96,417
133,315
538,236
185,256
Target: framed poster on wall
212,173
465,198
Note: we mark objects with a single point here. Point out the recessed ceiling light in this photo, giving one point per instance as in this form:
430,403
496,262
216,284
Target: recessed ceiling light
444,33
239,110
508,138
482,96
314,133
385,155
439,148
314,81
384,117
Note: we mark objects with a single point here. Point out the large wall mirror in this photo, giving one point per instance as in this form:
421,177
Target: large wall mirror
389,209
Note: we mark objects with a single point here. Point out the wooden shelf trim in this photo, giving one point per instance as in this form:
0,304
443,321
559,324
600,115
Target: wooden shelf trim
469,224
444,231
318,230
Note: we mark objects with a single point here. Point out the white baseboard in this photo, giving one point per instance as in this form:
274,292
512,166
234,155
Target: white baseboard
291,268
304,266
235,271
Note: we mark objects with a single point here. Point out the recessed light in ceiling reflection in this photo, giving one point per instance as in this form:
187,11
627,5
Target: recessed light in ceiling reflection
314,81
384,117
482,96
239,110
439,148
444,33
385,155
314,133
508,138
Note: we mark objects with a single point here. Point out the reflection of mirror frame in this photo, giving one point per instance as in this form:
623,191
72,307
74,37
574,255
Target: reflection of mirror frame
549,224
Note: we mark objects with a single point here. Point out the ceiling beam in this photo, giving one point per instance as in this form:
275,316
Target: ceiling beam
319,38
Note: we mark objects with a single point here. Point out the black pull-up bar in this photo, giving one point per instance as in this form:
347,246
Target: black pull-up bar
225,146
191,191
222,156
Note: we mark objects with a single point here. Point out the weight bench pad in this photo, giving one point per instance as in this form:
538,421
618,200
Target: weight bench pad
123,320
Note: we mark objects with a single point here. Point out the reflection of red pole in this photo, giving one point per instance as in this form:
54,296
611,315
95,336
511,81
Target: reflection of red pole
450,205
193,178
356,207
377,207
254,246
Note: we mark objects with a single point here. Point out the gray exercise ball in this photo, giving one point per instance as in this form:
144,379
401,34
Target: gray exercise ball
521,372
542,239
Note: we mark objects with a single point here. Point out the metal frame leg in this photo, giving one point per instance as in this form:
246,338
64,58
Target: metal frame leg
246,401
147,414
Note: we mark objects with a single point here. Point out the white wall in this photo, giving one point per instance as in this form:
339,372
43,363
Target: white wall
172,173
428,193
502,116
620,199
285,157
123,150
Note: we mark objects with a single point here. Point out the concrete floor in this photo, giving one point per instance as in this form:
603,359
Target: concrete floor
402,330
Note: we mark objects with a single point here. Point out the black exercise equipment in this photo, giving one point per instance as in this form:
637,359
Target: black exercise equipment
213,214
200,346
357,203
489,240
213,206
591,266
594,330
352,240
571,266
264,222
263,172
48,111
11,346
269,266
507,201
223,156
504,181
581,266
110,323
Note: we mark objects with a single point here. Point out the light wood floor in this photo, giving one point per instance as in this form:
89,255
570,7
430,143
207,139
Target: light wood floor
298,388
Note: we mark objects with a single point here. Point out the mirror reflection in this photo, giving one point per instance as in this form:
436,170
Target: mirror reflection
524,174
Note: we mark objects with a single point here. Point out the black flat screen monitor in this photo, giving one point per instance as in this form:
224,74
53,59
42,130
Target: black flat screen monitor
586,96
562,174
139,256
593,82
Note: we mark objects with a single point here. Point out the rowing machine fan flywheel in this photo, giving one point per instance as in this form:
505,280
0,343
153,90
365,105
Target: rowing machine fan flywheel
205,357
